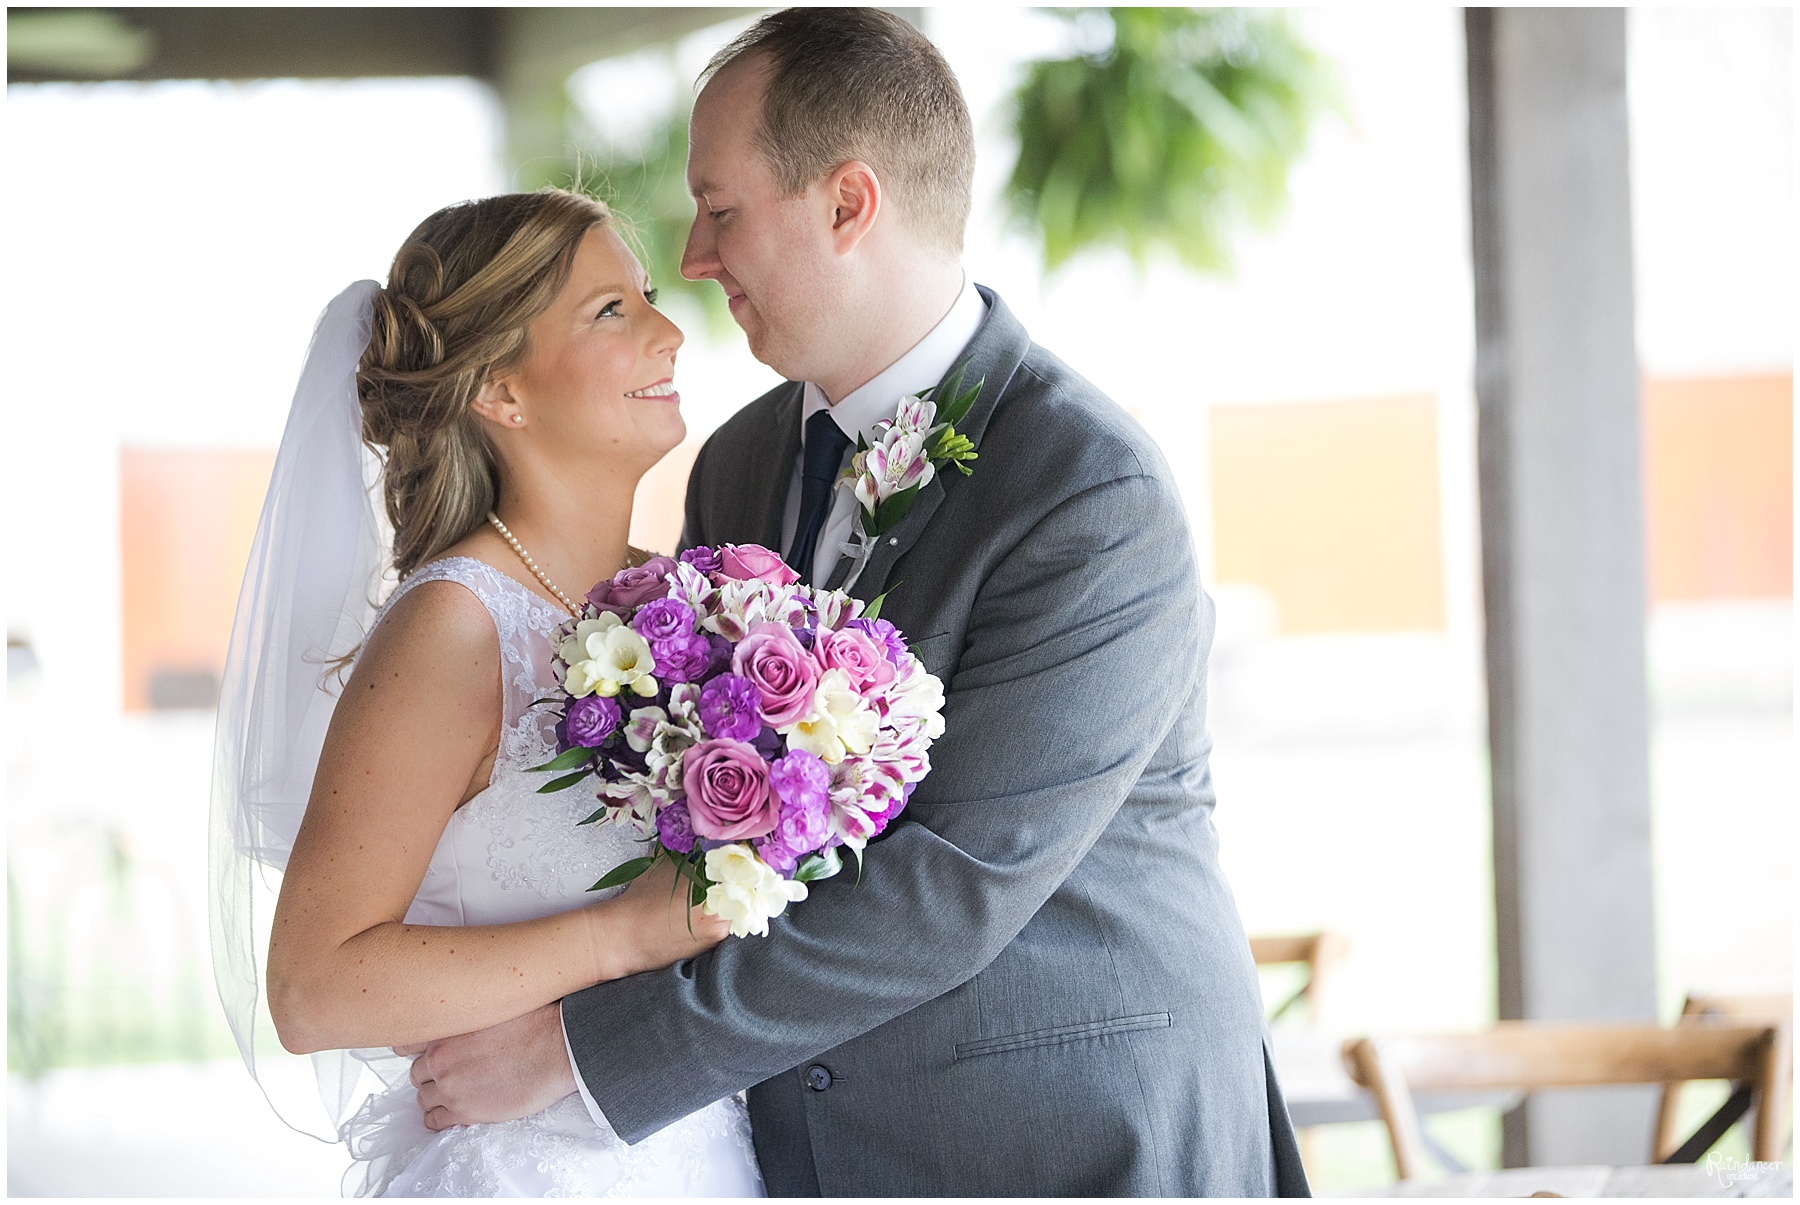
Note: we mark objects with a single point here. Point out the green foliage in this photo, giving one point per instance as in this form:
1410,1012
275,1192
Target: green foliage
646,185
1177,134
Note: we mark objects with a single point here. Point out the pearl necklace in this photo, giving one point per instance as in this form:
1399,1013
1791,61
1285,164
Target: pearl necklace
530,564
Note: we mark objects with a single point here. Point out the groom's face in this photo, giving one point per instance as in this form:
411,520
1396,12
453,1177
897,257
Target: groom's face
770,252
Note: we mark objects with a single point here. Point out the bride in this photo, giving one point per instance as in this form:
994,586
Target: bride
517,381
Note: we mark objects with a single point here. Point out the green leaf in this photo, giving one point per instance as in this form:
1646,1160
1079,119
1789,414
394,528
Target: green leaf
599,815
873,610
957,408
563,783
697,894
567,759
818,866
624,872
889,513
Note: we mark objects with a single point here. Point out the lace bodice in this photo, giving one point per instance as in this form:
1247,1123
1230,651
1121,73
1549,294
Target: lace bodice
510,854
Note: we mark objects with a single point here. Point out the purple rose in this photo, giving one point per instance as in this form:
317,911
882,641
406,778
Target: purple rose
589,721
683,658
754,563
882,633
674,828
859,655
731,708
705,559
661,619
727,785
632,587
802,784
783,672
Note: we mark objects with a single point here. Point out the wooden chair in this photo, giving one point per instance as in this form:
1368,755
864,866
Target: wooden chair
1536,1054
1320,951
1704,1010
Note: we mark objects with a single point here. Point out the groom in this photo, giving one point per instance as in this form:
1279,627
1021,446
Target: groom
1040,986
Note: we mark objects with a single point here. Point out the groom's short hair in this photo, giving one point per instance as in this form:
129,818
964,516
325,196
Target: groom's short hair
861,83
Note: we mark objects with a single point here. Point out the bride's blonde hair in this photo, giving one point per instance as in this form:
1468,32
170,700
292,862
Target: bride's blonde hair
463,289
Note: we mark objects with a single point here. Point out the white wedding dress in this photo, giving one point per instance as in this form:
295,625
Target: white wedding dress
511,854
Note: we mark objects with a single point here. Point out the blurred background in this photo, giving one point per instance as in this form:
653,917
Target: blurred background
1271,269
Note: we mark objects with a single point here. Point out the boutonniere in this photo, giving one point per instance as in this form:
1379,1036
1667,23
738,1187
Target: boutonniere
907,452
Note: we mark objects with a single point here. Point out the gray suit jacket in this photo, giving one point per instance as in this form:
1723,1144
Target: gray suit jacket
1041,985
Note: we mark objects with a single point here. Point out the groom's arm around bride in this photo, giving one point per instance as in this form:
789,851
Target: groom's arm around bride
1040,984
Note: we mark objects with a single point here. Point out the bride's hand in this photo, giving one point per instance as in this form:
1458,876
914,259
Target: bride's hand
656,926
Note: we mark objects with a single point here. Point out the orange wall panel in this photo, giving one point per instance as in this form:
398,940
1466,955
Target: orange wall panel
186,523
1332,507
1719,476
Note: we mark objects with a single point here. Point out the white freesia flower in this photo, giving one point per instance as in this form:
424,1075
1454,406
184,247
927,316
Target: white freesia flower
747,892
841,722
605,656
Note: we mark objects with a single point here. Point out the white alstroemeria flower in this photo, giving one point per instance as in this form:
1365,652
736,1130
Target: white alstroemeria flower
740,606
915,695
635,801
746,891
606,656
691,586
915,414
859,785
895,464
841,723
905,749
835,609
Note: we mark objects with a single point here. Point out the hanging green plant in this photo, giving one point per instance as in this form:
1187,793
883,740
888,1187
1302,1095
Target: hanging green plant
643,177
1170,137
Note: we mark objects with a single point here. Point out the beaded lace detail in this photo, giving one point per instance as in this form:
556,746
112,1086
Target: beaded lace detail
513,854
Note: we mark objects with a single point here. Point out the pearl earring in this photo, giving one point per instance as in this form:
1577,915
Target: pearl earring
518,418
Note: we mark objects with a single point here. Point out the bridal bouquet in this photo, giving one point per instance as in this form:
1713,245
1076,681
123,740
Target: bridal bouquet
745,726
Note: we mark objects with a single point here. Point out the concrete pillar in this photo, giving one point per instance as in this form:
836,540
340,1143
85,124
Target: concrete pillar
1562,550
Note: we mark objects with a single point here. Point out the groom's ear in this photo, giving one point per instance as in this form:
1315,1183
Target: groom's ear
856,197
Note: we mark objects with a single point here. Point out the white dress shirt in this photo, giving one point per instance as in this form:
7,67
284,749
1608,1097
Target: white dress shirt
856,415
918,370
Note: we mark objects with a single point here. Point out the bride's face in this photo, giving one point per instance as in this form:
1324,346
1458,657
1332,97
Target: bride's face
598,374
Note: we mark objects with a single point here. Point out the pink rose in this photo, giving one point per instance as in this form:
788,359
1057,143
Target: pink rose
783,673
728,796
861,659
633,587
754,563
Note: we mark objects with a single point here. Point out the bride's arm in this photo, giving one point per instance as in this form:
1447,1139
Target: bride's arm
411,737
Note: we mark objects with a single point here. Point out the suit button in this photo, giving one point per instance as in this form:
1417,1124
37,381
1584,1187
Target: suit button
818,1078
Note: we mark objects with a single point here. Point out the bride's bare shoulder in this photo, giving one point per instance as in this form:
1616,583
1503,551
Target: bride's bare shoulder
437,630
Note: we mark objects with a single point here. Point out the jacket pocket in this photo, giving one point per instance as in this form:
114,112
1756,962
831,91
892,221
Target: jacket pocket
933,652
1062,1034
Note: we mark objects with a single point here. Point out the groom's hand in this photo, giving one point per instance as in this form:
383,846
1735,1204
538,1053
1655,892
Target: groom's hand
514,1069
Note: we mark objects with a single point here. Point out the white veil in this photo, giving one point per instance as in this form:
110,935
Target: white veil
310,592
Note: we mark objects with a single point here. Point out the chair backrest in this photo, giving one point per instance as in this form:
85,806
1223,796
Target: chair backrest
1529,1054
1320,952
1710,1009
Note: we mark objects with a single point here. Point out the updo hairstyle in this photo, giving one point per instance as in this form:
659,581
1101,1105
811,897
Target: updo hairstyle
462,291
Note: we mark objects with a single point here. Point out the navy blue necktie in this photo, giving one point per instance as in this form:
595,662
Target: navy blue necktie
820,460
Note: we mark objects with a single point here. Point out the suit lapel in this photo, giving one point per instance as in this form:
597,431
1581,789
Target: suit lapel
768,471
993,356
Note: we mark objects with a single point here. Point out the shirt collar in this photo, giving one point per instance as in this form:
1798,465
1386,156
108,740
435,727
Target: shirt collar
930,359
